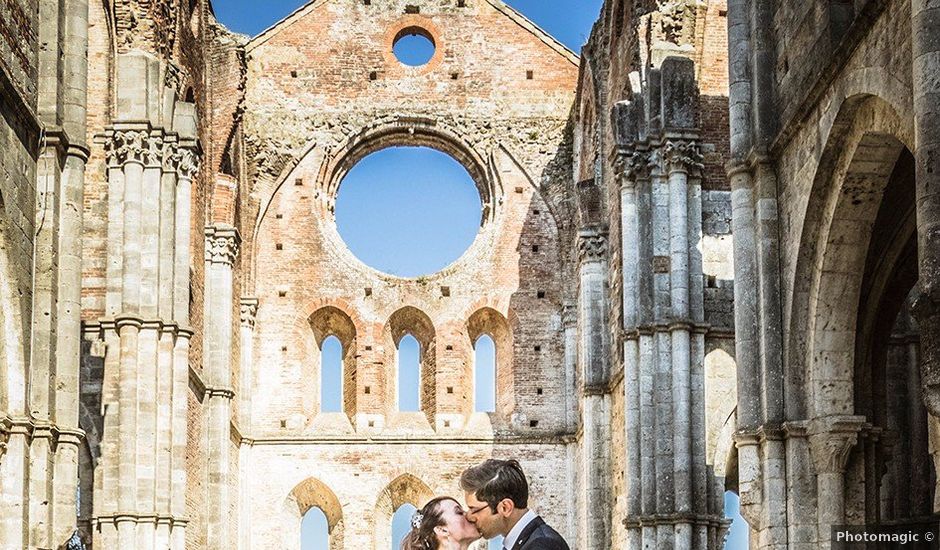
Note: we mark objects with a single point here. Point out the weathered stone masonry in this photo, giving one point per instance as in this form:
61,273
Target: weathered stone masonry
170,267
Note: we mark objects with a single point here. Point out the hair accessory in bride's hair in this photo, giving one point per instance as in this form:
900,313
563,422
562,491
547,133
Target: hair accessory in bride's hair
416,519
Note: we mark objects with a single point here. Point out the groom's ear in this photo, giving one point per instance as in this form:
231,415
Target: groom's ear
505,507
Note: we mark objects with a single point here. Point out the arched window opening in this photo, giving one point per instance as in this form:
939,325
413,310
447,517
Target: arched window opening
314,531
320,515
738,535
331,375
401,524
409,374
484,374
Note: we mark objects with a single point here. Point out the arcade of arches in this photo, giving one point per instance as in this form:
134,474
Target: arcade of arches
704,262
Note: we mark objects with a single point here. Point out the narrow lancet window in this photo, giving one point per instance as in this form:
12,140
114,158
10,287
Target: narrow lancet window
401,524
409,374
314,531
484,375
331,375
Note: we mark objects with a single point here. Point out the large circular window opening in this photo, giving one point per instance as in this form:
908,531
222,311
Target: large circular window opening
408,211
414,46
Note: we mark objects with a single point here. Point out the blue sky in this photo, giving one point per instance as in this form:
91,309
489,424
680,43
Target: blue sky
569,21
413,211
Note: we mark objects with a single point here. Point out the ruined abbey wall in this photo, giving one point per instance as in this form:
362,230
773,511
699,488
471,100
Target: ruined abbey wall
499,104
170,267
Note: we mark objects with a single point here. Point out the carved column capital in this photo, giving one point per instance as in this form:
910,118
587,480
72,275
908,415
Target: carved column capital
222,244
138,145
632,164
187,162
249,311
831,440
592,245
682,155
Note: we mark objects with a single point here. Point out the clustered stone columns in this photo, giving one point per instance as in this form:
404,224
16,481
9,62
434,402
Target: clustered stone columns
672,501
39,430
222,244
773,454
140,492
595,376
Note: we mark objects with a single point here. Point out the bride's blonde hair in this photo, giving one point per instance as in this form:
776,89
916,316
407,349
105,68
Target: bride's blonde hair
423,522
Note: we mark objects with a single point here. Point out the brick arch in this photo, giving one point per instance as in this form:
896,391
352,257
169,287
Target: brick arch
404,489
313,493
413,321
853,171
330,320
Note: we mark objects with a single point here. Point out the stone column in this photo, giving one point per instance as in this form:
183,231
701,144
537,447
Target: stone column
221,250
681,156
595,410
569,316
630,240
249,311
926,65
187,164
54,435
831,441
647,356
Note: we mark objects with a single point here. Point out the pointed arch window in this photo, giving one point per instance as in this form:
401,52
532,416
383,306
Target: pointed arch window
331,375
401,524
314,530
484,374
409,374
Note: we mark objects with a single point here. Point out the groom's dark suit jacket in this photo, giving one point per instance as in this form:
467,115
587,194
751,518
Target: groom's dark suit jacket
537,535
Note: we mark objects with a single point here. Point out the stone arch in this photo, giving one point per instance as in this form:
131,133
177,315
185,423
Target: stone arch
491,322
329,321
404,489
850,179
413,321
313,493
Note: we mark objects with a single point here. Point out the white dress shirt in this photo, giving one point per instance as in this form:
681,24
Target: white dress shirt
516,530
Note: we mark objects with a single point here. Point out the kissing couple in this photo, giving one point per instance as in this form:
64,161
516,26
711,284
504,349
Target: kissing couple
497,497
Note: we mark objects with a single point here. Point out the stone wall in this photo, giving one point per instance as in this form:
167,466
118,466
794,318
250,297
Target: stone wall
19,140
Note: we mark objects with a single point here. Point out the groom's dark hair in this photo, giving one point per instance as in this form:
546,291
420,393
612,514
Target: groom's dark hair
495,480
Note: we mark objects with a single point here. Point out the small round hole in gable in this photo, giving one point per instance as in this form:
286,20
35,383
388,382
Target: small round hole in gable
414,46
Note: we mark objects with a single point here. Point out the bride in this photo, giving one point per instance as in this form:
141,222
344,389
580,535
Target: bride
440,525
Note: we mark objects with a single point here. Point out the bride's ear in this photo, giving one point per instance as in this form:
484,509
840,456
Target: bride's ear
441,531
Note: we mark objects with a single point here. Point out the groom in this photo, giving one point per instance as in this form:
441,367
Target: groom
497,497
